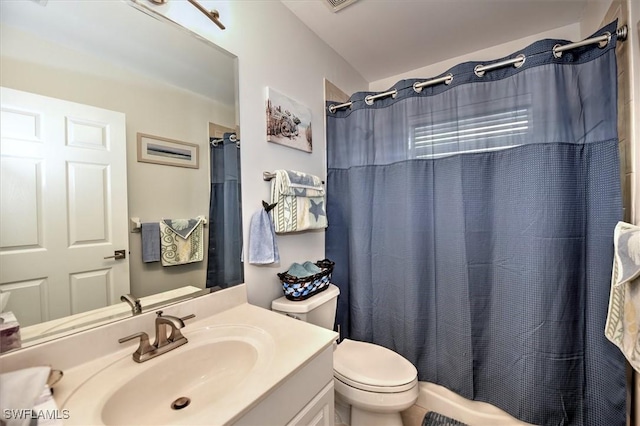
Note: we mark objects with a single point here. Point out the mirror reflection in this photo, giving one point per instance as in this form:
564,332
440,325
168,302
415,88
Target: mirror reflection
90,226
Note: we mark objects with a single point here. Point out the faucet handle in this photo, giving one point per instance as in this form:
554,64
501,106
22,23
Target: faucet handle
176,334
159,313
144,346
177,324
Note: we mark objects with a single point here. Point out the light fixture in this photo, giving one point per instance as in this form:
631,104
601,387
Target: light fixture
214,15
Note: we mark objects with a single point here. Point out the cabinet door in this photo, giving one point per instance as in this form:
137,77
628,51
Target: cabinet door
318,412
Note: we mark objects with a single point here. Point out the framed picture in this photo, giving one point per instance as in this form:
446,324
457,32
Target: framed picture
288,122
158,150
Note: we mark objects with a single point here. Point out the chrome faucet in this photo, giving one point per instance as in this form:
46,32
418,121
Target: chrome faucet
134,302
166,340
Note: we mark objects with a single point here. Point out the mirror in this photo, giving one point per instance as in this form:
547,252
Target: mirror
169,85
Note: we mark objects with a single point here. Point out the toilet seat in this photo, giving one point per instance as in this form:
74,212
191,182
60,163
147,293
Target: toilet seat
373,368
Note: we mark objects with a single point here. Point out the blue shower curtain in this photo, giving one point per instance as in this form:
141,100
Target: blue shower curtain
472,229
224,264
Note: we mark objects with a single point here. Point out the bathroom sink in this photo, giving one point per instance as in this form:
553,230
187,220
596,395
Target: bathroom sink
191,384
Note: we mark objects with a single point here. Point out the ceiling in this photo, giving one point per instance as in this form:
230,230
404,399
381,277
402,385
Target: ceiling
384,38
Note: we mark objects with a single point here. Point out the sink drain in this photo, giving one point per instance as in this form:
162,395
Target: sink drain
181,403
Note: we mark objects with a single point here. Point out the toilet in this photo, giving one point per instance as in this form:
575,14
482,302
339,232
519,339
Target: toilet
374,384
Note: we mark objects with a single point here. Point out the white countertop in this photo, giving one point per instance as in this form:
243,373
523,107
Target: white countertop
295,344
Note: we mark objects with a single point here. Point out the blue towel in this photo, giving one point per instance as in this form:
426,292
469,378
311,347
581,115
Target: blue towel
263,248
307,269
151,242
311,267
297,270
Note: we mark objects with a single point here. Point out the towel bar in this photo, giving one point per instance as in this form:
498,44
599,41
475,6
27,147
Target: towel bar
135,225
269,176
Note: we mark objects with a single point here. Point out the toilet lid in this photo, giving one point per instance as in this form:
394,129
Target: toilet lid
372,367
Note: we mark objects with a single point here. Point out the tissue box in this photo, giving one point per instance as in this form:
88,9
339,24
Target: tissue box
9,332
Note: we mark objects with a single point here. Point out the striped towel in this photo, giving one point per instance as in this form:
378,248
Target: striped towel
300,202
623,318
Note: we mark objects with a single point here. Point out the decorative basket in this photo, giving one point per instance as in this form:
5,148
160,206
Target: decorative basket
301,288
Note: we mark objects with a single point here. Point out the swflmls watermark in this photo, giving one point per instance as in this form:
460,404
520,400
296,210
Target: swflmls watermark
23,414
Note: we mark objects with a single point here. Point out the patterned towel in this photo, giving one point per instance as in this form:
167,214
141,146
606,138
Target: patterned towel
181,241
301,184
623,318
300,202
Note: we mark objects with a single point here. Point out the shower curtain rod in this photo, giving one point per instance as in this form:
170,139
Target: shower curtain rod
480,70
232,138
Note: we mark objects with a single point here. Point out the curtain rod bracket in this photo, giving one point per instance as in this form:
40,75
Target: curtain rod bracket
622,33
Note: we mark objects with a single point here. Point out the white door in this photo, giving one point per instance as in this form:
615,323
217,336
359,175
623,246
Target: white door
63,206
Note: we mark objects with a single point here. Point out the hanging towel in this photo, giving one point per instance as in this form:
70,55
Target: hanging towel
300,202
181,241
150,242
301,184
19,390
263,248
623,318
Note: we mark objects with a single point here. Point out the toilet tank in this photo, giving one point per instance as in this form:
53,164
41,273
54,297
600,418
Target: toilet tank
319,309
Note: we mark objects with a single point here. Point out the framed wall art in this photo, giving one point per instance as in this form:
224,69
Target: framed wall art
288,122
169,152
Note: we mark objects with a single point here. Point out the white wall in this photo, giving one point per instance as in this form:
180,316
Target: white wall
592,16
277,50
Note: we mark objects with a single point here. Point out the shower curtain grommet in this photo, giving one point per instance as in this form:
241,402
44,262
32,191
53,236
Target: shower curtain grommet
604,43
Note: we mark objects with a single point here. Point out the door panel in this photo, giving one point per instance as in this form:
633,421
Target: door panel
21,201
30,299
91,290
88,198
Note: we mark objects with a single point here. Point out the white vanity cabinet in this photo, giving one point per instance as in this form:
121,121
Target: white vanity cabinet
304,398
319,412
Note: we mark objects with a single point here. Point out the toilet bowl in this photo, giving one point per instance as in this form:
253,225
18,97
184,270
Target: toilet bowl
374,382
